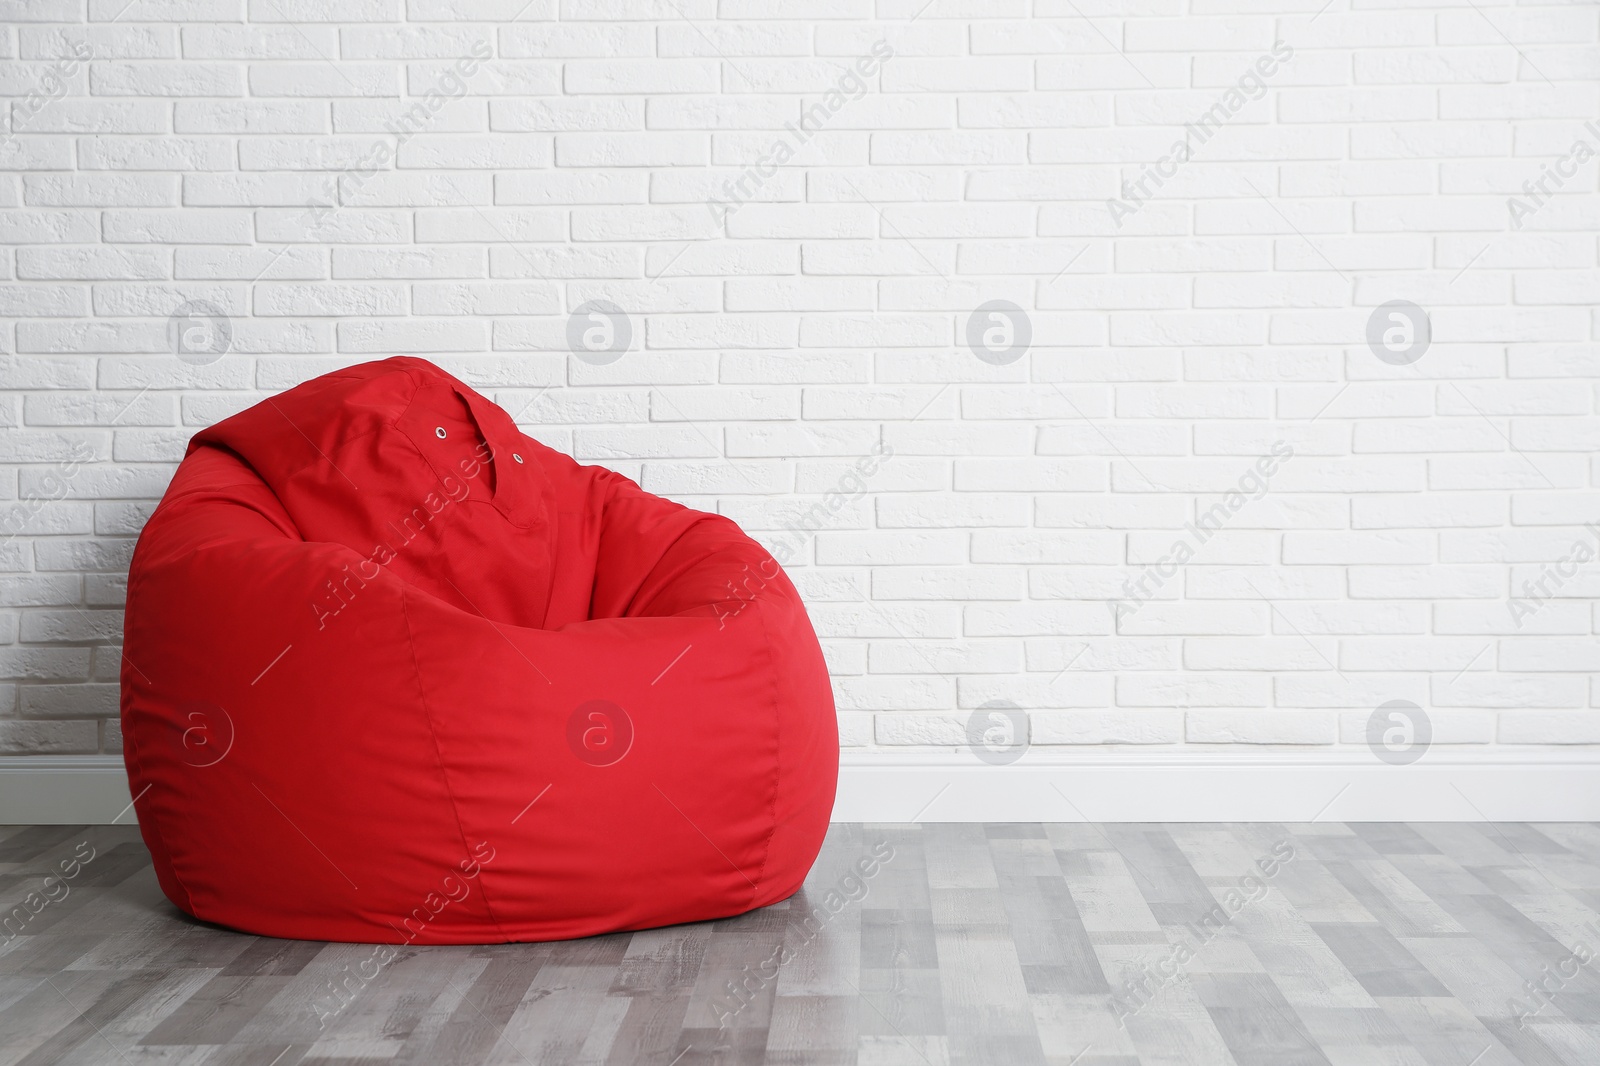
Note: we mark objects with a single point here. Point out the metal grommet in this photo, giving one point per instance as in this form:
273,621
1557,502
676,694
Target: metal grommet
439,432
517,457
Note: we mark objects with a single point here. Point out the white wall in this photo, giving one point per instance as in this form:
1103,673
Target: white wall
1222,306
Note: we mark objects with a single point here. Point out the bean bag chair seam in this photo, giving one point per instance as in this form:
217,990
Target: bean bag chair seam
320,456
777,745
444,771
416,390
470,401
166,857
136,581
382,423
663,583
172,499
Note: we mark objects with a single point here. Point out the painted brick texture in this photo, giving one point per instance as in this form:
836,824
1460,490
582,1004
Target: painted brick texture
1173,373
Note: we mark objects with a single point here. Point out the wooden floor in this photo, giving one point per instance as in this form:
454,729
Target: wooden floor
1261,945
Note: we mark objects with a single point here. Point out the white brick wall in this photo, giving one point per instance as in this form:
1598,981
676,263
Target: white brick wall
799,232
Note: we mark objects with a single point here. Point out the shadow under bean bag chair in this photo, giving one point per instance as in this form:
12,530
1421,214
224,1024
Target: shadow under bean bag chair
395,672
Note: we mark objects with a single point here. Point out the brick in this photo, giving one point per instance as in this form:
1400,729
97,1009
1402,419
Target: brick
99,190
1549,727
165,79
44,664
412,335
1346,548
1119,726
1036,691
1232,653
48,737
946,583
642,76
1193,689
259,42
1260,727
244,116
898,548
320,80
921,657
1512,691
1447,726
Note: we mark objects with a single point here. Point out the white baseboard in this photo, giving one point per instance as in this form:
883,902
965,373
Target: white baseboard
1270,786
64,790
1537,785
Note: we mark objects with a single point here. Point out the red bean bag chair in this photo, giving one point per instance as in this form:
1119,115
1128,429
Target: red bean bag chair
396,673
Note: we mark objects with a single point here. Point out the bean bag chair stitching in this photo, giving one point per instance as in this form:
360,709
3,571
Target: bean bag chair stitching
466,502
283,520
538,506
635,609
204,439
164,859
394,424
777,747
487,419
444,771
772,796
151,827
397,425
427,459
665,583
320,456
476,613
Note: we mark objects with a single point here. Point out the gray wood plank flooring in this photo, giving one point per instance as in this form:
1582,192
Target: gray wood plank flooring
1059,944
